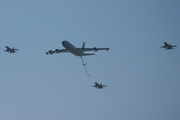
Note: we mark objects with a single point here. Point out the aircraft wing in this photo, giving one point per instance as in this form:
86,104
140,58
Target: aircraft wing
165,43
61,50
57,51
92,49
8,48
96,83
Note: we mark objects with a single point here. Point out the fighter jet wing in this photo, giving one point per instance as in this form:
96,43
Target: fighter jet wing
165,43
8,48
173,45
96,83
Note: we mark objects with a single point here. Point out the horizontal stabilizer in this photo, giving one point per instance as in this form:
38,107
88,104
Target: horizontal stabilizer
86,54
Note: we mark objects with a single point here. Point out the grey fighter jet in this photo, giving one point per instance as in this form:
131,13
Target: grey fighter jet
99,86
10,50
168,46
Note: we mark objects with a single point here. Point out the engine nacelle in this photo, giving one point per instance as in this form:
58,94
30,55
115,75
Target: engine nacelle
95,49
56,50
51,52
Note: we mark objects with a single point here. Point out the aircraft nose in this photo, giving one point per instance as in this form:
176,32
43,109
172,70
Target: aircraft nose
62,42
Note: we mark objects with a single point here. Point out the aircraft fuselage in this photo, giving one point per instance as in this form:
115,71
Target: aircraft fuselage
71,48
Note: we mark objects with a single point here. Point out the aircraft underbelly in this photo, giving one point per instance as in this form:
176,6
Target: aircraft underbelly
76,53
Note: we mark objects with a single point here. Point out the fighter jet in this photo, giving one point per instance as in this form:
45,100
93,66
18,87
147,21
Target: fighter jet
10,50
99,86
168,46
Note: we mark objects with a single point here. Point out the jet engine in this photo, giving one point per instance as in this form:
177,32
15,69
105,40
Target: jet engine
95,49
51,52
57,50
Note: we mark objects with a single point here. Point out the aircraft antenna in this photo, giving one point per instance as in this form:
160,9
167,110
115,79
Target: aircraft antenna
84,64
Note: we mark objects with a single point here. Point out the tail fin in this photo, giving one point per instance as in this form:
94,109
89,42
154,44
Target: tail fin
83,46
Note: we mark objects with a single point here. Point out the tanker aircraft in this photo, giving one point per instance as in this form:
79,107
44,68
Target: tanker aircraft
69,48
76,51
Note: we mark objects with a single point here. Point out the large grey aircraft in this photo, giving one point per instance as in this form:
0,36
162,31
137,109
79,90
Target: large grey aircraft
168,46
10,50
99,86
69,48
76,51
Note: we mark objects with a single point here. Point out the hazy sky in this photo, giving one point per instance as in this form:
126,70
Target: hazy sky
143,79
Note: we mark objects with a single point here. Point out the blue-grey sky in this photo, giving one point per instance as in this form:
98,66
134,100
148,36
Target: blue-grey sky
143,79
